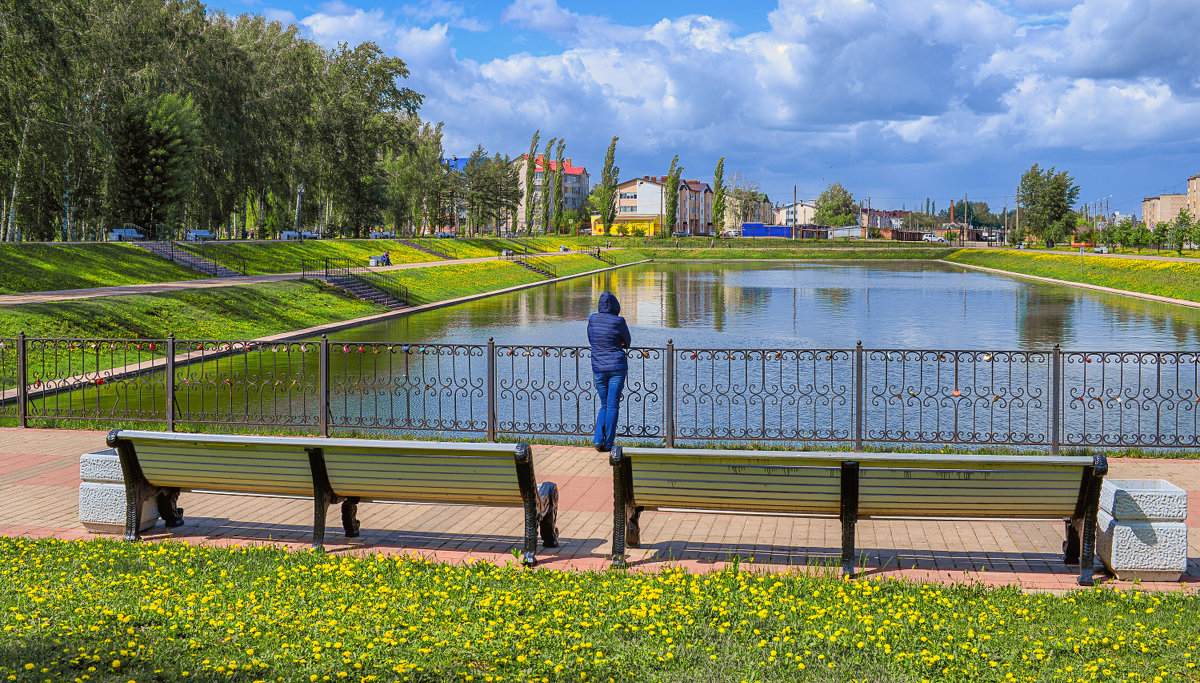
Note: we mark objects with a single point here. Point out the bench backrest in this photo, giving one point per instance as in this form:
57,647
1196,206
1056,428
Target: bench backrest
363,468
222,463
423,471
903,485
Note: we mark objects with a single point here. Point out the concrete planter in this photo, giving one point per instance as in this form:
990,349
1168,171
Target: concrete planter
1140,529
102,495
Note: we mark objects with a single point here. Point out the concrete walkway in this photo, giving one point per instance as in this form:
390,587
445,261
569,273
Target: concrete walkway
39,478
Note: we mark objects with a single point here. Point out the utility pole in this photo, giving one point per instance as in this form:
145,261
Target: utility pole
795,213
1018,217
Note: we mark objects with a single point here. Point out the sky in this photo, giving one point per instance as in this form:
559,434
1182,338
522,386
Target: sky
898,100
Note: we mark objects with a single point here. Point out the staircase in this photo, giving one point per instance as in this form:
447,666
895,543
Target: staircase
169,251
541,266
362,288
446,252
595,253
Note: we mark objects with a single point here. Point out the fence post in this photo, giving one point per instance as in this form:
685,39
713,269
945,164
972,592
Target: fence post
491,389
22,382
323,389
669,404
171,382
860,390
1056,399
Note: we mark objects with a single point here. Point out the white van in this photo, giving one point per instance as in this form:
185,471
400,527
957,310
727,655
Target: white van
930,237
198,235
289,235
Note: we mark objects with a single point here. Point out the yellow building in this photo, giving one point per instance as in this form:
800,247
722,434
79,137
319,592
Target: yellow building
629,225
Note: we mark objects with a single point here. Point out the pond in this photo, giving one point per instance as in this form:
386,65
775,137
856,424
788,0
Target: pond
724,353
893,304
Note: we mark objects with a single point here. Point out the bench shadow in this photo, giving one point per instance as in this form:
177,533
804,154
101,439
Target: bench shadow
226,529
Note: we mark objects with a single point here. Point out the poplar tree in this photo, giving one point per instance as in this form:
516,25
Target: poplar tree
672,190
606,193
560,216
547,179
530,170
718,206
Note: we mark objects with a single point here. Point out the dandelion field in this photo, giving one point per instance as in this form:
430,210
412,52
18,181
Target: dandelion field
113,611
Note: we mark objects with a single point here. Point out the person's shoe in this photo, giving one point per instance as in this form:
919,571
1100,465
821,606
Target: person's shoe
599,448
604,449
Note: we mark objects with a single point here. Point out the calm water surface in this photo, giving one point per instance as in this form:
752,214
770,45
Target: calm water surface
811,305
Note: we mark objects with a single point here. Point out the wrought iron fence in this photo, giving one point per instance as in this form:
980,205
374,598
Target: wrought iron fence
1025,399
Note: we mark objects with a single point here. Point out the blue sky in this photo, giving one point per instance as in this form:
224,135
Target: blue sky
898,100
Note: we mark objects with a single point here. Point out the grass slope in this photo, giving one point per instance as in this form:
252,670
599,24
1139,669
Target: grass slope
239,312
288,256
1163,278
167,611
792,254
438,283
47,267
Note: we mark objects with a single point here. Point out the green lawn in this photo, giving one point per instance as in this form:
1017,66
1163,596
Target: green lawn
164,611
289,256
438,283
792,254
238,312
47,267
1164,278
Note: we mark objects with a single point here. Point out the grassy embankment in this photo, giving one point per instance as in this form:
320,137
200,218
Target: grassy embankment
289,256
108,610
48,267
792,254
1163,278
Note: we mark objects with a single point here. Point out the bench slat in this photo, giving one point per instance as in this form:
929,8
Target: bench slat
252,469
462,476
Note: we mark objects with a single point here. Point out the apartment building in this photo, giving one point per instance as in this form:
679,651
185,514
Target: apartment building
798,213
1193,196
1164,208
646,196
576,185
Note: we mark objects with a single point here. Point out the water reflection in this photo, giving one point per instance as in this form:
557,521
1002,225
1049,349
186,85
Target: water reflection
811,305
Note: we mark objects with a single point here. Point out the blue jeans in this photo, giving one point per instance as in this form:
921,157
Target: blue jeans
608,386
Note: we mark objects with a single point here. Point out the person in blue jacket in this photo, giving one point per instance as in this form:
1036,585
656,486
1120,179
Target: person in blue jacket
609,337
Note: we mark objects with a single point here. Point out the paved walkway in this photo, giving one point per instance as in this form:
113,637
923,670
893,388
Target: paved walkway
39,477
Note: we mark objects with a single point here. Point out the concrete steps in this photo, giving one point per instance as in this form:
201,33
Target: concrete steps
364,291
173,253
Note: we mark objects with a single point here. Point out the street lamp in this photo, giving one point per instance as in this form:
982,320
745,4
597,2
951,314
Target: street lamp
299,194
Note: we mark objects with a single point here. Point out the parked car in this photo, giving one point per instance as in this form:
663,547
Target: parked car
930,237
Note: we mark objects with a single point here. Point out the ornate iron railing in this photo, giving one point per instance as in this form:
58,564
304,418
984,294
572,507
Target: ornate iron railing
856,397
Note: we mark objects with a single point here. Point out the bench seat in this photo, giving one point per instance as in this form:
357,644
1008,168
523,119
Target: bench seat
857,485
160,465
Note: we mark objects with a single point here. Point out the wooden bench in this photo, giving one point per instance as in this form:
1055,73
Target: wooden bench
857,485
159,465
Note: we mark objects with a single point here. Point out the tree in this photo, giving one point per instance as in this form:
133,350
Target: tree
1141,237
1181,230
836,207
547,183
671,187
1161,234
605,193
154,158
1046,198
560,215
718,205
530,170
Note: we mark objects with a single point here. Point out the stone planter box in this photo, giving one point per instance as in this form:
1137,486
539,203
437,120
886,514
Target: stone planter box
102,495
1140,529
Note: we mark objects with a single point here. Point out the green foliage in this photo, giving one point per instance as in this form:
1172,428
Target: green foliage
606,193
530,171
49,267
264,613
1046,197
153,149
290,256
1182,229
671,201
836,207
560,177
719,190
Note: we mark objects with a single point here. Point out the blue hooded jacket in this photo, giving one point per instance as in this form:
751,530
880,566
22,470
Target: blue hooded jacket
609,336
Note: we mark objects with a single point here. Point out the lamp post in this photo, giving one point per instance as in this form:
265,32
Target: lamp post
299,195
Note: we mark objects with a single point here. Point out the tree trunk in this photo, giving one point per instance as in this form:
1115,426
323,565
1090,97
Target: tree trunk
11,227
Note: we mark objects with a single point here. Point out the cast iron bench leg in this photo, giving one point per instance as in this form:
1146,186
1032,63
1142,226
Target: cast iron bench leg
548,513
168,509
350,517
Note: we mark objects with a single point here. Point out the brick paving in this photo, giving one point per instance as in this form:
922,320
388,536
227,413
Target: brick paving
39,478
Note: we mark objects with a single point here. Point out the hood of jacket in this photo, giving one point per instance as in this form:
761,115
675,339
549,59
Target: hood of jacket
609,304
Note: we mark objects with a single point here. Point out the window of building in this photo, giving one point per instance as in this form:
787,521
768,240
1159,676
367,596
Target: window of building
628,195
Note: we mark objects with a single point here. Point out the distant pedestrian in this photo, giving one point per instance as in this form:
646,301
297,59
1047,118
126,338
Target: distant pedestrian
608,336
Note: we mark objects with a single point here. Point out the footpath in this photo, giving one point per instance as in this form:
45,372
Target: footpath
39,479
